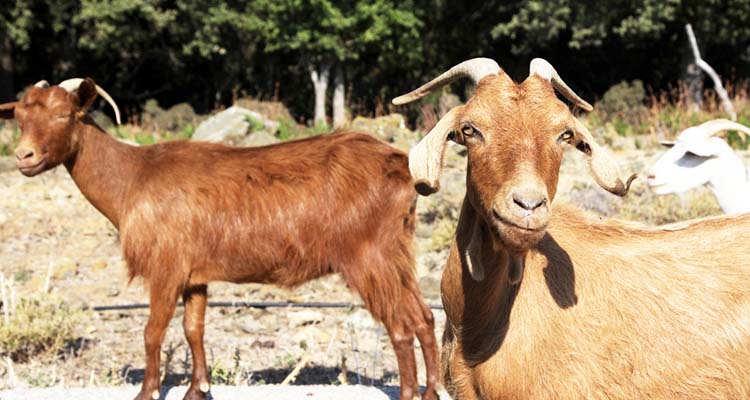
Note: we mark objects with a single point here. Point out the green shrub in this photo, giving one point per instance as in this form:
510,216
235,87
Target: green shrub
623,98
38,324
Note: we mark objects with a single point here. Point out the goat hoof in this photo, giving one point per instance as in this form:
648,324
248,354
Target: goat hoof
195,393
148,394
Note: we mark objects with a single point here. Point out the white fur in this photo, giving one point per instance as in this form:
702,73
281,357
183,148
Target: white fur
694,160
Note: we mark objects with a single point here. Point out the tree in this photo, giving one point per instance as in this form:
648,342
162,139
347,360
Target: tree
327,35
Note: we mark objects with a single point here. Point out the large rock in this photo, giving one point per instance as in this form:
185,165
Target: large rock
233,125
390,128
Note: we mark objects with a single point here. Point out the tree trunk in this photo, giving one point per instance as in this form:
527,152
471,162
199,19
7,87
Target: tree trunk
339,102
694,81
726,103
319,77
7,91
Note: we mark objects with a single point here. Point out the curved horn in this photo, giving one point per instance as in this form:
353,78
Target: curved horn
715,126
476,69
602,165
427,157
72,84
42,84
545,70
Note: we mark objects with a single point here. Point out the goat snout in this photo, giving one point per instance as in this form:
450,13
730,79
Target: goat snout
527,209
529,200
30,162
23,153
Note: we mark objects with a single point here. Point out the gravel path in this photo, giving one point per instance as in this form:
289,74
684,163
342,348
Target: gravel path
265,392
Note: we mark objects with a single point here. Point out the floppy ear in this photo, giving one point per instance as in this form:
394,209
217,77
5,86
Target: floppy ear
427,157
85,95
602,165
7,109
473,254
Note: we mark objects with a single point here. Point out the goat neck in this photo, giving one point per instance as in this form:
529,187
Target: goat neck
103,168
731,185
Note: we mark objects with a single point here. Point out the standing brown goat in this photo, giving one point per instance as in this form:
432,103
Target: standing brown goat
191,213
564,305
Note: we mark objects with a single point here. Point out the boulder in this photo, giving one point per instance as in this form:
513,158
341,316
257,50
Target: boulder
390,128
233,125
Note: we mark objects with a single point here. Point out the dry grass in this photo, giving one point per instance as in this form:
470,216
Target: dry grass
36,324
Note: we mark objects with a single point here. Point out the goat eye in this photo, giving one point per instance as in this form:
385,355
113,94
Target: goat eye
467,129
566,135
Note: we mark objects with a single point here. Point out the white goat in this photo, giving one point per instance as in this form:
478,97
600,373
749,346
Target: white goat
697,158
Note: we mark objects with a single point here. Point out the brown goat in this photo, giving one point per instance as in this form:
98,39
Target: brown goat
604,310
190,213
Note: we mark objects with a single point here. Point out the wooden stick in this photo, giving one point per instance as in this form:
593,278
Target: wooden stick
293,375
726,103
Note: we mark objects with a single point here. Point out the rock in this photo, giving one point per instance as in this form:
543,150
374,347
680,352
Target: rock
390,128
258,139
361,319
305,317
64,267
447,102
99,264
251,325
232,126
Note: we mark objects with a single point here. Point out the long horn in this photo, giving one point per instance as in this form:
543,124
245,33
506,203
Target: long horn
715,126
42,84
545,70
72,84
476,69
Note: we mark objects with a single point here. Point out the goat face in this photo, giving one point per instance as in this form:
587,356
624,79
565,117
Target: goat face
48,118
515,135
695,158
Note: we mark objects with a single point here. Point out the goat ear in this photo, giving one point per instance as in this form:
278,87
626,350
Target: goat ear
85,95
7,109
602,164
473,254
427,157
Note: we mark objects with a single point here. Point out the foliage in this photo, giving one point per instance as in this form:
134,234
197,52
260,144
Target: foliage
39,323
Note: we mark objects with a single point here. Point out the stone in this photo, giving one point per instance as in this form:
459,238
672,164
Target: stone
390,128
231,126
258,139
99,264
304,317
251,325
64,267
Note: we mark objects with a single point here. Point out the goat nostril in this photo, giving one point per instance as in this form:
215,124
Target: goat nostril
24,153
529,203
651,177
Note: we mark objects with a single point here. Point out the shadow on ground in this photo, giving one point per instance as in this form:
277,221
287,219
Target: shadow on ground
310,375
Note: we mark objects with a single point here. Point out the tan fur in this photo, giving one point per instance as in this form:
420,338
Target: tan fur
603,309
191,213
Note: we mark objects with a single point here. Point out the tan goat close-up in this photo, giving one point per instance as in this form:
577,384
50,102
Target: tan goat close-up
190,213
544,301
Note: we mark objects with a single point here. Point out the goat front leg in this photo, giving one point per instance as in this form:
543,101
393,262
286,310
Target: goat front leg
193,323
163,300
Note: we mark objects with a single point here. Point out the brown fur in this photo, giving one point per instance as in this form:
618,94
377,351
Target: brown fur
604,310
192,213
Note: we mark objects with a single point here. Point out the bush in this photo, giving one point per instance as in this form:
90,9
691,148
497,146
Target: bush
38,324
624,98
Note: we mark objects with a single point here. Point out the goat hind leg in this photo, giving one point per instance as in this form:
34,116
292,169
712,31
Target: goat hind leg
402,338
193,324
424,326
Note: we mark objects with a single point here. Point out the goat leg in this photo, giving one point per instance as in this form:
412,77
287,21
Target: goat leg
193,324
